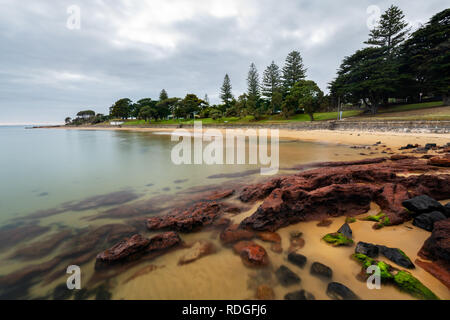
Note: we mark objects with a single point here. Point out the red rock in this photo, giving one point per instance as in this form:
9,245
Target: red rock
396,157
123,250
219,195
292,204
342,189
296,243
325,223
234,234
439,161
264,292
439,269
133,248
163,242
390,201
276,247
269,236
252,254
437,246
198,215
259,191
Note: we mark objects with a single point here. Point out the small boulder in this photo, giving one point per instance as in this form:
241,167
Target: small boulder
297,259
269,236
346,231
276,247
324,223
439,161
299,295
123,250
252,254
397,256
367,249
321,270
286,277
430,146
264,292
233,234
422,204
426,220
338,291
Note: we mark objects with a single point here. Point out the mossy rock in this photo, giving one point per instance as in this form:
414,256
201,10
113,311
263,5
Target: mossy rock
350,220
408,283
404,280
337,239
375,218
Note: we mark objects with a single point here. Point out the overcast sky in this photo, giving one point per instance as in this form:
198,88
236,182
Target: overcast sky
133,49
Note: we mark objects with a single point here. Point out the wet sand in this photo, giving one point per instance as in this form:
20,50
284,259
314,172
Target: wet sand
223,276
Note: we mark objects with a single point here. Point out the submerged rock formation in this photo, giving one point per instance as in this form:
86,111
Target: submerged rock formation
135,247
336,189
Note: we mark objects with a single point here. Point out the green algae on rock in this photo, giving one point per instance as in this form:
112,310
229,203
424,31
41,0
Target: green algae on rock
404,280
408,283
337,239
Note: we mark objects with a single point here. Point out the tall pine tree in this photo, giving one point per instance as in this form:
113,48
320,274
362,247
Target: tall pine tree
293,70
225,91
163,95
390,31
271,81
253,83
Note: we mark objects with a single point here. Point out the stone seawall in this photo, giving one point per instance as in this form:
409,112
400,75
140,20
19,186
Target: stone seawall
371,126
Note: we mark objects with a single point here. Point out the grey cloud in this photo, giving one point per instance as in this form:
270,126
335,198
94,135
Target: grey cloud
48,72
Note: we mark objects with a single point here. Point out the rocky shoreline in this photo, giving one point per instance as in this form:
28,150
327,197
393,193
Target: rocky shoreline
405,188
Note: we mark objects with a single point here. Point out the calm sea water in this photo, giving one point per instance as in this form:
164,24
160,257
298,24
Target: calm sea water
41,168
81,192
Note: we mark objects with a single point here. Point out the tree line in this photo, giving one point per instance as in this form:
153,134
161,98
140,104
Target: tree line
397,63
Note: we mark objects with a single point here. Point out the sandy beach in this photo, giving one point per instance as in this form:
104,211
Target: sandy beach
390,139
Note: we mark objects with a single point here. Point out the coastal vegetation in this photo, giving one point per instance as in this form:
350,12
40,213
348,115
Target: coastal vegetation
396,67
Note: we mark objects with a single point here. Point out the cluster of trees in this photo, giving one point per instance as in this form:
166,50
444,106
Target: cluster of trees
397,64
394,64
281,90
86,117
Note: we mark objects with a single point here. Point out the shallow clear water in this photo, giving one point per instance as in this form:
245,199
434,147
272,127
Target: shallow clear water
66,187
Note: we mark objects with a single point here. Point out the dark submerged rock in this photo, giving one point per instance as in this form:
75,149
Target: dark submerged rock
286,276
321,270
297,259
422,204
346,231
299,295
426,220
397,256
367,249
338,291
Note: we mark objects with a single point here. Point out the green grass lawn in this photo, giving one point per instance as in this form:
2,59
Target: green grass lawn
409,107
320,116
